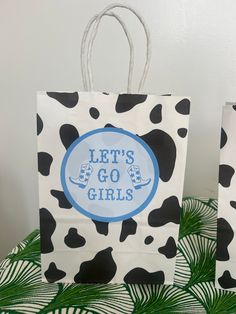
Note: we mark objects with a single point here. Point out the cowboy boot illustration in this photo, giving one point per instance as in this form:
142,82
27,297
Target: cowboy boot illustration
84,175
137,180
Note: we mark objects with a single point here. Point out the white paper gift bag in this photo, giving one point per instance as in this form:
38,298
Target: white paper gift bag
226,223
111,171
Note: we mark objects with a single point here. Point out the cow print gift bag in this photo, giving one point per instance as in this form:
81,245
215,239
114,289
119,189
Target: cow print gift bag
226,223
111,171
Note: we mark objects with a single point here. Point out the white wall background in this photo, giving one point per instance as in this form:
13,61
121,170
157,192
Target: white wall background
194,54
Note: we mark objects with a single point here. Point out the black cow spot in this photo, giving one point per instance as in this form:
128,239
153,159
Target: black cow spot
169,249
129,226
44,163
108,125
62,200
53,273
226,173
168,212
225,235
68,134
148,240
39,124
141,276
101,269
182,132
68,100
223,138
47,227
234,107
126,102
101,227
94,113
226,281
156,114
183,107
105,93
73,239
164,149
233,204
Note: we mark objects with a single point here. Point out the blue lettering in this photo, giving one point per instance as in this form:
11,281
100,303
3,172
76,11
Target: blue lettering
92,156
91,194
119,197
100,195
109,195
130,157
103,156
101,175
129,195
115,153
115,175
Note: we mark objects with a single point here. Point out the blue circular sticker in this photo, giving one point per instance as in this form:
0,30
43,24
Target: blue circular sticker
109,174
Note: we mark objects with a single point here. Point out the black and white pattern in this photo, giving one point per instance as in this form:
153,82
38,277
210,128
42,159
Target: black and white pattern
226,223
141,249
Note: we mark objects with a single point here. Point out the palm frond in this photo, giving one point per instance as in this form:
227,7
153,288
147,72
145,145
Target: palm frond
27,250
21,289
198,217
182,270
4,264
199,253
69,310
215,301
94,298
152,299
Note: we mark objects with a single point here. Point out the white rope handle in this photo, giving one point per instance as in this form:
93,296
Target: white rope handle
84,62
93,35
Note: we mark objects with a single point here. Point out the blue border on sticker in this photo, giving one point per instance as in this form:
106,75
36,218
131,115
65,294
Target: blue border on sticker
118,218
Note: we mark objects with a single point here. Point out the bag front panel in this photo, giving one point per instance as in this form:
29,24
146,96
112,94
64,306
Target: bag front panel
140,249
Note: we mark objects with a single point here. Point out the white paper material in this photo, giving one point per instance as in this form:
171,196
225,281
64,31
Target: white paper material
226,241
142,248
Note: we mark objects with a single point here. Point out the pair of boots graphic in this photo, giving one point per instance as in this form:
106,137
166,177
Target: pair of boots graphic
86,171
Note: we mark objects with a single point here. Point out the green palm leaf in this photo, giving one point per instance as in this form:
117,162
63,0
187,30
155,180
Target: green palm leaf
27,250
152,299
199,253
70,310
213,203
198,217
182,271
93,298
4,264
21,290
215,301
